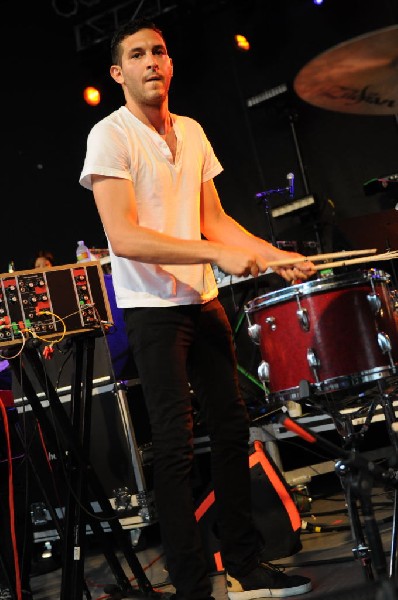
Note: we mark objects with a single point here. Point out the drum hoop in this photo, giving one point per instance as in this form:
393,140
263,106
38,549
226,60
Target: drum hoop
338,383
328,283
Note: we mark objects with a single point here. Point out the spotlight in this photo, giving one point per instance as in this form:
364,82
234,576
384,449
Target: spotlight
92,96
242,42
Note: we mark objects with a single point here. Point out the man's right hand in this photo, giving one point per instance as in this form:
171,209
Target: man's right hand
240,262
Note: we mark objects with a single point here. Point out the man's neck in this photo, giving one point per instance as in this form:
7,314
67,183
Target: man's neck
157,118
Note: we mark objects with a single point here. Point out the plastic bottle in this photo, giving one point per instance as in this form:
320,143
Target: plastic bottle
82,252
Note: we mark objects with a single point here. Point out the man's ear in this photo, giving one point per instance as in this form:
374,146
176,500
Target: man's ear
116,73
172,66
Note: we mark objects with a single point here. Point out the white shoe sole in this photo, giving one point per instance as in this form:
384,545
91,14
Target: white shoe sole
270,593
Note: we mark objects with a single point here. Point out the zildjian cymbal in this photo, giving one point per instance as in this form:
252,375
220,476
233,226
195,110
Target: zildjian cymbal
359,76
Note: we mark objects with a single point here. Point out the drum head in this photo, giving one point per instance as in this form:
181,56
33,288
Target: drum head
324,284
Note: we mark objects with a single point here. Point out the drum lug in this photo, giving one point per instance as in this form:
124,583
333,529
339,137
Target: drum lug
254,333
384,342
304,319
383,339
313,362
375,303
263,371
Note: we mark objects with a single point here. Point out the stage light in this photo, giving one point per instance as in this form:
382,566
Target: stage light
317,2
92,96
242,42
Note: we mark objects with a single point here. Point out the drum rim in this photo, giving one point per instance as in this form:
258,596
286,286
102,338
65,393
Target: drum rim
340,383
328,283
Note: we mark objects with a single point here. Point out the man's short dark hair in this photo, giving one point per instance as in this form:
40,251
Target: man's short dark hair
127,29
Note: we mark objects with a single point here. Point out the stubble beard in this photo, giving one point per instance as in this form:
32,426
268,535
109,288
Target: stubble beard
152,98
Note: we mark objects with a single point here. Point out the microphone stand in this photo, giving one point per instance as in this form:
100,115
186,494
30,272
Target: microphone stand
264,197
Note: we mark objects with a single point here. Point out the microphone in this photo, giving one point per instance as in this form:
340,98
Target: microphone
290,187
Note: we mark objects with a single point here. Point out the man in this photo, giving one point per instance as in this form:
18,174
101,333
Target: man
151,173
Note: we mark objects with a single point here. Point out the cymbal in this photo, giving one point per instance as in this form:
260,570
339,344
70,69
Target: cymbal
359,76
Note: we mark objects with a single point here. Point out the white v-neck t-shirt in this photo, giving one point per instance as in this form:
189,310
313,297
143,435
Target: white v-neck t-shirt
168,200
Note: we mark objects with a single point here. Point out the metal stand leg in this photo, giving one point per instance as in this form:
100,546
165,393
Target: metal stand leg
361,550
387,396
359,476
74,434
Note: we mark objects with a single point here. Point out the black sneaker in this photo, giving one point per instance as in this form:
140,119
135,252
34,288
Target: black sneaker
266,581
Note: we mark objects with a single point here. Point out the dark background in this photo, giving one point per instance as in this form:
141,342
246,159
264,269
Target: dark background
45,67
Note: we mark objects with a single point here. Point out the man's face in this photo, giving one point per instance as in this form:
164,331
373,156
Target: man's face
146,69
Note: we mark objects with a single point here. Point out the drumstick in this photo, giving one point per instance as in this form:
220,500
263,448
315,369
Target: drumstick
354,261
318,257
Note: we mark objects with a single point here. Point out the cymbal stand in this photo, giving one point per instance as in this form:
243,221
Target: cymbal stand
292,115
73,435
265,195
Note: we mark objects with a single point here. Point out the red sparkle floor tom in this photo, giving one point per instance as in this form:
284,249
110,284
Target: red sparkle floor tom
334,333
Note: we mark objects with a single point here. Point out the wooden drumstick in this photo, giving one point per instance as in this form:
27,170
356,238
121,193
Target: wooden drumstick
318,257
355,261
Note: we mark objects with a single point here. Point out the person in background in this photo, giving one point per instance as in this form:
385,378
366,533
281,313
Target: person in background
43,259
151,173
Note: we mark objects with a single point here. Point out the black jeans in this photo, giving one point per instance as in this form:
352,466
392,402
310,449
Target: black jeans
177,348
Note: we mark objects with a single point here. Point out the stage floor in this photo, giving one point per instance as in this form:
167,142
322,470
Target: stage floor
329,555
326,557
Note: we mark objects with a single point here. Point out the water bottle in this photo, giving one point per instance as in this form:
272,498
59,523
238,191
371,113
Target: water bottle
82,252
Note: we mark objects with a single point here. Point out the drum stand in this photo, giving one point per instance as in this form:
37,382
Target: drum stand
357,477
